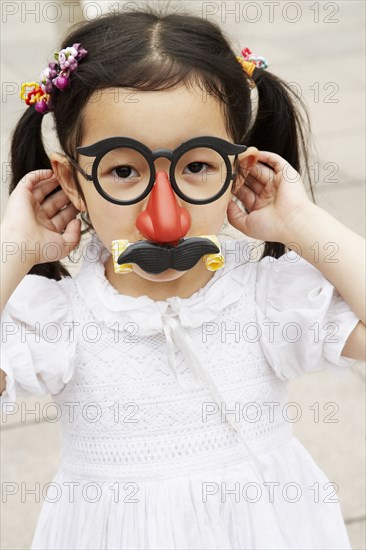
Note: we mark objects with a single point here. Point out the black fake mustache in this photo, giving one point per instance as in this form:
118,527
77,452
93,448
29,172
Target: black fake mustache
156,258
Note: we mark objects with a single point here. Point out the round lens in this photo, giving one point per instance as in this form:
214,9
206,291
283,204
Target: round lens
200,173
123,173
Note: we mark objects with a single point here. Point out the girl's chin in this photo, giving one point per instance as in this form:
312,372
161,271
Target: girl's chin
167,275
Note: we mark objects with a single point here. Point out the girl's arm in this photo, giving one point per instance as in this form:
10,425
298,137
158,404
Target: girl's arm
15,264
14,267
33,218
339,254
279,210
333,249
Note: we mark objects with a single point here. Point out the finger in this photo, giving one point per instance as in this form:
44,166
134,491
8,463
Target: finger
246,196
236,217
30,180
72,233
51,205
64,216
279,164
275,161
254,184
262,181
261,174
44,188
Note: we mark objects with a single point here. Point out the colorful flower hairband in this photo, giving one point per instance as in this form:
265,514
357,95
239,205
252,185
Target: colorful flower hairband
56,75
250,61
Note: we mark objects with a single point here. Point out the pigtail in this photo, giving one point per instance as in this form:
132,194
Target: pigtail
28,154
278,127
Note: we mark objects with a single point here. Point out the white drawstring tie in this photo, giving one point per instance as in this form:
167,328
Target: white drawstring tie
173,329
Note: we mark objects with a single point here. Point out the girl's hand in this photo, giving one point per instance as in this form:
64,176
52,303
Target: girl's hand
37,221
272,196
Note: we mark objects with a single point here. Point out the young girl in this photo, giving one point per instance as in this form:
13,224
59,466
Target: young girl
168,354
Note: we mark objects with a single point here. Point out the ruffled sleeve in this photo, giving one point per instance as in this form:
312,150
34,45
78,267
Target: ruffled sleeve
304,321
38,339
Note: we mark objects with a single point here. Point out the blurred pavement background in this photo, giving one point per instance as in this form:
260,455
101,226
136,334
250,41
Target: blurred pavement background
320,48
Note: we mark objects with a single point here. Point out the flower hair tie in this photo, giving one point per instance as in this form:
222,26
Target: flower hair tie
250,61
56,75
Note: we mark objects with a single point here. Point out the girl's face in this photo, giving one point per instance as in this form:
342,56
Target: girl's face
158,119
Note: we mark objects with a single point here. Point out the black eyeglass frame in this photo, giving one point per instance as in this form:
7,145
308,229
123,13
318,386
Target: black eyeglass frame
100,148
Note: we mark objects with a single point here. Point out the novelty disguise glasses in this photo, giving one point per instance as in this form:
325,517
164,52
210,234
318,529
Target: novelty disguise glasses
123,170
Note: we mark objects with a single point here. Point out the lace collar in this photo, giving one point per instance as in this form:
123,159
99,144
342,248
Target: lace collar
109,306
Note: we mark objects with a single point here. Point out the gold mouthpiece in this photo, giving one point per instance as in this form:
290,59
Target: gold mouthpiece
119,246
213,262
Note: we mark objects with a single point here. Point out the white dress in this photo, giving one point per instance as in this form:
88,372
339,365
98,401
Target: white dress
149,459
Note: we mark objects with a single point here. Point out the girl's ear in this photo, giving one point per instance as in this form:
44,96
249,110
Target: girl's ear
245,161
61,169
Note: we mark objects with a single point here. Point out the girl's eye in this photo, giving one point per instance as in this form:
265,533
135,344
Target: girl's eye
124,171
195,167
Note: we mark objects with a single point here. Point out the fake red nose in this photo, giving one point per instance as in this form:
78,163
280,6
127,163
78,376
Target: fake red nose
163,221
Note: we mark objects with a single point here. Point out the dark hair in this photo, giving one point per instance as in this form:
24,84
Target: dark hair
151,49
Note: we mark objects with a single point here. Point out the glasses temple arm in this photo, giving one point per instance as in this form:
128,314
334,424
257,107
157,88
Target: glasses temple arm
75,164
